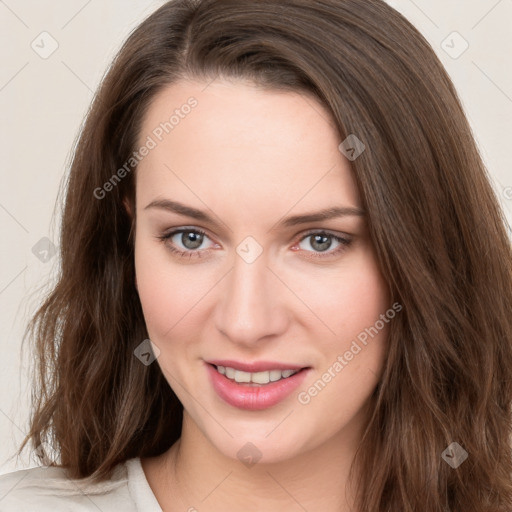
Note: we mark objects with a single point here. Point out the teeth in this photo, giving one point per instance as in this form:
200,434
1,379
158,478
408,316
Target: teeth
275,375
260,377
256,377
242,376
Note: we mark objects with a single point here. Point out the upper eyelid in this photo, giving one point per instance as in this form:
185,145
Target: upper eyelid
297,238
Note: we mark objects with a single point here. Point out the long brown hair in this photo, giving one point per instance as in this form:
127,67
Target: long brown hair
439,235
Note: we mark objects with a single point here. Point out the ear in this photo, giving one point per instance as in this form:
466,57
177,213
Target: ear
127,206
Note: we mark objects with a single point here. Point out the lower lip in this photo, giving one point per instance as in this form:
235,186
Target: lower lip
254,397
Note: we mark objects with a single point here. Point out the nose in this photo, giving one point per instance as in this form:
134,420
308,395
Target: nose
252,304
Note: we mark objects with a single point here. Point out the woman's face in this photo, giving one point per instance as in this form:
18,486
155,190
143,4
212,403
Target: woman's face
248,278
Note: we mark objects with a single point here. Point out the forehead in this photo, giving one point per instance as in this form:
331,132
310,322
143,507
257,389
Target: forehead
241,141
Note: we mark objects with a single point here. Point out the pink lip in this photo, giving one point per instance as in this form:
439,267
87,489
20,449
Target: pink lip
258,366
254,397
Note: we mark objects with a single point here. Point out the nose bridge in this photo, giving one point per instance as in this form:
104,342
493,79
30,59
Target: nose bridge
250,307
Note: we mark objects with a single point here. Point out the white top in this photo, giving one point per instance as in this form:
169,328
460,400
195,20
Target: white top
48,489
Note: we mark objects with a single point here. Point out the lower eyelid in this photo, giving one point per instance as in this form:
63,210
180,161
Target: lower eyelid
344,243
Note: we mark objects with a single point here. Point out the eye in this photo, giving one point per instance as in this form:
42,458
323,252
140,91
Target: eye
187,242
191,240
322,242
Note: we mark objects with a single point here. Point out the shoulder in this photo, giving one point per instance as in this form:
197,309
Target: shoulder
49,489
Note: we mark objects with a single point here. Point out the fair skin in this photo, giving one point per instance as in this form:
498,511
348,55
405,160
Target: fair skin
250,158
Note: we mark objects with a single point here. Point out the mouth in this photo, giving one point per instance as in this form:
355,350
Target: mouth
260,378
255,390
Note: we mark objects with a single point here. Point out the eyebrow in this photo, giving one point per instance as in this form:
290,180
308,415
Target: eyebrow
294,220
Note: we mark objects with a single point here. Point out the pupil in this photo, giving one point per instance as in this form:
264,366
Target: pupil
191,240
324,242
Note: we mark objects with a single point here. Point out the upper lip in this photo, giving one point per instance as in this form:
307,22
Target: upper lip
256,366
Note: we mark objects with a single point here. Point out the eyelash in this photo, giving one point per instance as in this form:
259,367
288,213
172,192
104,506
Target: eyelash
344,243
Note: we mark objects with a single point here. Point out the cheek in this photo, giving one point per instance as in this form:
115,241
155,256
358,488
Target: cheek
350,299
172,298
353,359
153,286
163,294
176,298
363,300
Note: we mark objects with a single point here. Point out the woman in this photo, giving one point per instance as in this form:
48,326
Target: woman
286,282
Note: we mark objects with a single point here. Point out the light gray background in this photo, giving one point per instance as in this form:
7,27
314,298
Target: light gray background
43,101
